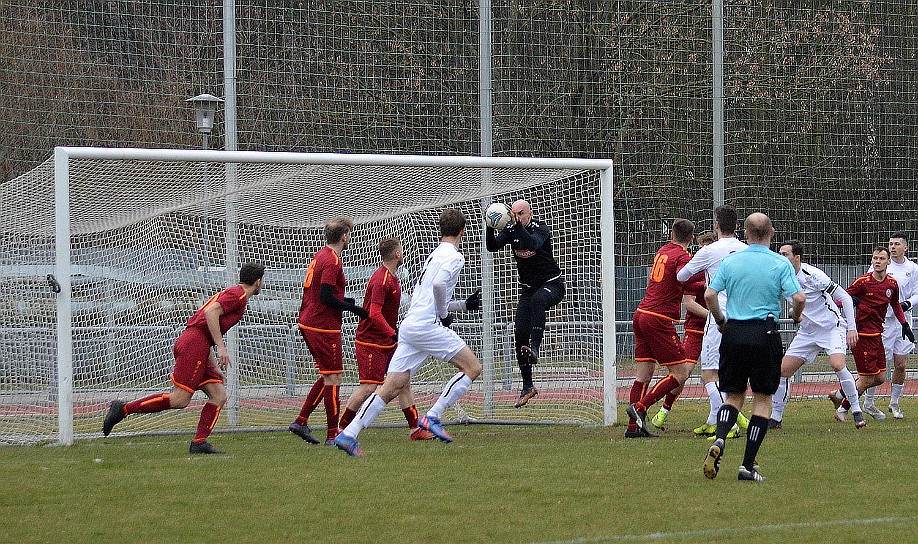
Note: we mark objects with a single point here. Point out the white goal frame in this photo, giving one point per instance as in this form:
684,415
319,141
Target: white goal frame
63,265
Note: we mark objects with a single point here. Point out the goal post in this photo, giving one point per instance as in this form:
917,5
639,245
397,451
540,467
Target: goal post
141,237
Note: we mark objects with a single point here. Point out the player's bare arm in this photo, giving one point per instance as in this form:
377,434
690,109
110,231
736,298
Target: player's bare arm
213,314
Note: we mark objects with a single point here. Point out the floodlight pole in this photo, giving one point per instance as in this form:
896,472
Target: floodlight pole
205,108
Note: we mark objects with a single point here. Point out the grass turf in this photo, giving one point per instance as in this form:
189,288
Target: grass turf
827,482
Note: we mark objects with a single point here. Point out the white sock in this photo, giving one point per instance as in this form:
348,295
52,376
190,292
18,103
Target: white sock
779,400
368,411
868,396
716,401
454,388
896,392
849,388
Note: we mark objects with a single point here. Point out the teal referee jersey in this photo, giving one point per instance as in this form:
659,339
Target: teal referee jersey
756,281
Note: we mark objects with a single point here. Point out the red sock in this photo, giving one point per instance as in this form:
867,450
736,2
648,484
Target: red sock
637,391
846,405
332,407
658,391
346,417
148,405
411,416
209,415
312,400
669,400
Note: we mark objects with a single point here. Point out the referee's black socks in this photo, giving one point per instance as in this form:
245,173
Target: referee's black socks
726,419
754,436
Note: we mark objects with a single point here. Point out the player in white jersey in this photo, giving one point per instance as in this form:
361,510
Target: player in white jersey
424,333
822,328
708,260
897,348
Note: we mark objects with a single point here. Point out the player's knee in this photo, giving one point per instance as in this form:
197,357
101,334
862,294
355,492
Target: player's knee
179,401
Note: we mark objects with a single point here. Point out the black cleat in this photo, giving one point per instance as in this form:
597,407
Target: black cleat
640,433
774,423
746,475
712,460
525,396
303,432
639,417
203,447
115,414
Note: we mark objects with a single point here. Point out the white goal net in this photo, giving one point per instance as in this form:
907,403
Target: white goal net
139,239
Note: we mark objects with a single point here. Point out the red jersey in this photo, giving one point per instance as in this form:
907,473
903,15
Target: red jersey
233,302
696,322
875,297
385,290
325,268
664,292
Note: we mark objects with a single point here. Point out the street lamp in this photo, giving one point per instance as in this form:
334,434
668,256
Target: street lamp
205,107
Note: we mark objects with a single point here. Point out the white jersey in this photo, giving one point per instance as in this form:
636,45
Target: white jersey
906,275
708,259
820,311
442,266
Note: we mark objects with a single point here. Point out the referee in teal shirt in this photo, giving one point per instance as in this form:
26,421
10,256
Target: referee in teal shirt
756,280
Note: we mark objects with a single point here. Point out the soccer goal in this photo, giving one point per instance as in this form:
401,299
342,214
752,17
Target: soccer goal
107,252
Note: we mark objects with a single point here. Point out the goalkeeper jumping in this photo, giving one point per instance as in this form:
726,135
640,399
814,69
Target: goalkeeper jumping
541,282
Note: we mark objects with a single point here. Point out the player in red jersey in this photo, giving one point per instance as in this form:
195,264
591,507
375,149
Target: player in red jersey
655,338
320,324
195,364
696,315
377,337
873,293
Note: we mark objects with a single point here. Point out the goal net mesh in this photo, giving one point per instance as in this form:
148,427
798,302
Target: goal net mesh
149,244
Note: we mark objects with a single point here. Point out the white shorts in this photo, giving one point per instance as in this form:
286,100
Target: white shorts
807,345
710,348
893,341
416,344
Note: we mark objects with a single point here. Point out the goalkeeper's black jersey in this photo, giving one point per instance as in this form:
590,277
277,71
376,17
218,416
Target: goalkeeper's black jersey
532,250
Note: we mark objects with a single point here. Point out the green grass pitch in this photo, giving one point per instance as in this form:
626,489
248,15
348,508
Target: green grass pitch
827,482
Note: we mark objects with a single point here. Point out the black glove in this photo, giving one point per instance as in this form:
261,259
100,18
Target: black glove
473,303
448,320
349,301
855,300
395,336
359,311
907,333
906,305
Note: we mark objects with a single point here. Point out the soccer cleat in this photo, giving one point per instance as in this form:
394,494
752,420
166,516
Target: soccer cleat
639,416
659,419
712,460
841,415
421,434
859,421
733,433
742,421
329,441
348,445
529,356
895,411
746,475
115,414
203,447
705,430
525,396
836,399
774,423
303,432
640,433
874,412
434,426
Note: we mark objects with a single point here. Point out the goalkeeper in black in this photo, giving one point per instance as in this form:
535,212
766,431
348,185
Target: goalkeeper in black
541,283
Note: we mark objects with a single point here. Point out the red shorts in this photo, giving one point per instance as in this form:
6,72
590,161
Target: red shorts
373,361
869,355
193,368
691,345
655,340
325,347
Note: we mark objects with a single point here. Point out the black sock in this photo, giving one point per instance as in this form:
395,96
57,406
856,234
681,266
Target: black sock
754,436
726,419
535,339
526,371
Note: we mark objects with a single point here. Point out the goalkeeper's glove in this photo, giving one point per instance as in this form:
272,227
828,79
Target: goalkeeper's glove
473,303
855,300
359,311
906,305
448,320
907,333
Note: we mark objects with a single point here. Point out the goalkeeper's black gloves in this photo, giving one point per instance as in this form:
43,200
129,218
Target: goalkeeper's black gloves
473,303
359,311
855,300
906,305
907,333
448,320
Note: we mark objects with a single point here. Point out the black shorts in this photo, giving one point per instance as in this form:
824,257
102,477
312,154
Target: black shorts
749,357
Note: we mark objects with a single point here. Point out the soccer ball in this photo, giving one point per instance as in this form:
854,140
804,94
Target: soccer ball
497,216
